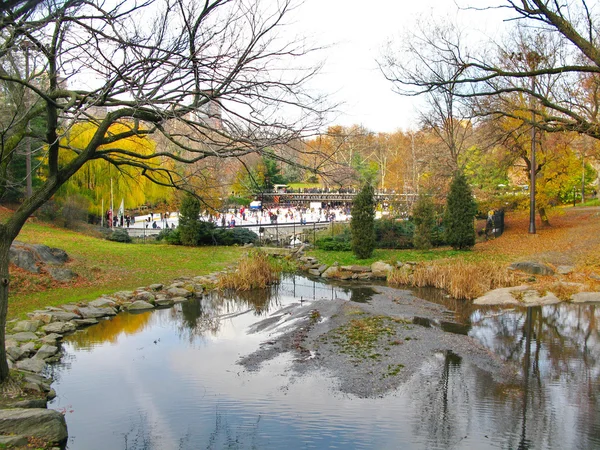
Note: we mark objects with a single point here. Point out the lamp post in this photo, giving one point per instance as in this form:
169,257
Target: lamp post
533,163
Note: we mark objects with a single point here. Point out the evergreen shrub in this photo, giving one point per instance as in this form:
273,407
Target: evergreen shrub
460,212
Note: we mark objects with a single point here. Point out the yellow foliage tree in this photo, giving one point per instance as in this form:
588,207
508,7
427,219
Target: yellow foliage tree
95,178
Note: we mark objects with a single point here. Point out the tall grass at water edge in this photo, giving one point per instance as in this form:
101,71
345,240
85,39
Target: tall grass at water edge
256,270
461,279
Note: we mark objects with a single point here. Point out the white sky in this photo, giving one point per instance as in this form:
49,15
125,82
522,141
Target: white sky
359,31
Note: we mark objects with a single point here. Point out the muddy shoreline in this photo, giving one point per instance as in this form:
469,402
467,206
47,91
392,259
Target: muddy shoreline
370,349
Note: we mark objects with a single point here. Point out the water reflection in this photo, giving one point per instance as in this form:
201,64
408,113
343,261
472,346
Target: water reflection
168,379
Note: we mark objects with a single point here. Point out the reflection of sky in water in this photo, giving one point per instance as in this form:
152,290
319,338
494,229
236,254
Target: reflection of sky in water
186,392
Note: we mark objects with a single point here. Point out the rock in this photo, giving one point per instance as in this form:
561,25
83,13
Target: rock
164,302
380,269
586,297
144,296
31,365
178,299
61,274
322,268
23,336
15,352
51,338
51,394
28,347
594,276
13,441
27,325
155,287
55,316
85,322
139,305
40,423
356,269
123,295
364,276
532,268
314,272
92,312
59,327
565,270
34,387
30,257
178,292
331,272
518,295
33,403
46,351
102,302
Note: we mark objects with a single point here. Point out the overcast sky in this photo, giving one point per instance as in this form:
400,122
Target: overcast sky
358,31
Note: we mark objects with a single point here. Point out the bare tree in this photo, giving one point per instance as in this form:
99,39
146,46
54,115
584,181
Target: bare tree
550,54
213,78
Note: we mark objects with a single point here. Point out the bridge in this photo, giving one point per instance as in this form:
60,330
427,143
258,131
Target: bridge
332,197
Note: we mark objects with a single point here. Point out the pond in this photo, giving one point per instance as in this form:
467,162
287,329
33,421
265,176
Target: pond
168,379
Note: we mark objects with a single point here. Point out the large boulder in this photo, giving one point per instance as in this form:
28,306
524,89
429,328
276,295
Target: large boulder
26,325
532,268
30,257
140,305
34,365
46,351
91,312
40,423
54,316
586,297
517,295
59,327
24,336
145,296
179,292
381,269
102,302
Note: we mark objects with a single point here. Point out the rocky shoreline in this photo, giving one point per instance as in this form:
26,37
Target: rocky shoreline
33,343
321,335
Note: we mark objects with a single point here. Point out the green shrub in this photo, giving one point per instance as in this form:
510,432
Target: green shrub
460,212
188,220
362,222
393,233
424,220
119,235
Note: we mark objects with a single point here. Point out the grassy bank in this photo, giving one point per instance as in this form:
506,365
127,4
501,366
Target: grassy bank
573,239
104,267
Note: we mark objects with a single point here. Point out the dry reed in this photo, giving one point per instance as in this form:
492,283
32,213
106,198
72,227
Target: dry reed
256,270
461,279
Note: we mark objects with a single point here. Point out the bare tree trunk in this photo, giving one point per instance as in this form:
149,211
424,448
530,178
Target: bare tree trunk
5,242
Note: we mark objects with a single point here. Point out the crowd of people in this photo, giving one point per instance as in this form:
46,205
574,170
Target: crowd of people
232,217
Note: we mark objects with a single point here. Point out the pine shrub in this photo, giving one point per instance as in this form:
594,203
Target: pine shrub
424,219
460,212
189,225
362,223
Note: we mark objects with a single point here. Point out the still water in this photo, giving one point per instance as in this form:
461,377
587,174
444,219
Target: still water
168,379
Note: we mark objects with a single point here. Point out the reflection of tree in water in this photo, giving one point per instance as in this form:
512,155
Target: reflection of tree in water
440,403
198,317
556,345
228,436
110,329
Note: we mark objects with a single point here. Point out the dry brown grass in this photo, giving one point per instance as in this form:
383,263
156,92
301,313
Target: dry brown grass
254,271
461,279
